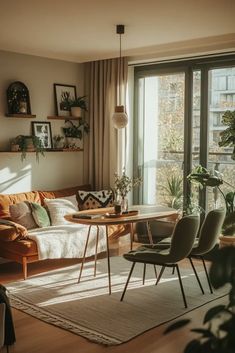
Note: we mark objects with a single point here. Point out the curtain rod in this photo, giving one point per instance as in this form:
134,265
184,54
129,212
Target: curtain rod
189,58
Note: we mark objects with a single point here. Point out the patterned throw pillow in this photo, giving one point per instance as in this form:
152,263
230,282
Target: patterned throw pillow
88,200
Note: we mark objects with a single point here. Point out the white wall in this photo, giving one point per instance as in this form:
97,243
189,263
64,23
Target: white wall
56,169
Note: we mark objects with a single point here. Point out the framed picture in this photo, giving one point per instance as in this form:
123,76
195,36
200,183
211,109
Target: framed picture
63,92
42,130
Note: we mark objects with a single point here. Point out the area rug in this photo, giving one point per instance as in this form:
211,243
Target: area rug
88,310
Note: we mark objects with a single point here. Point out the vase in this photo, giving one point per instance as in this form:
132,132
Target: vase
124,204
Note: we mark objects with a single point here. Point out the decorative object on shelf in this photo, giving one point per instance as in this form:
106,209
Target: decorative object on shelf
29,144
58,141
203,177
63,93
122,186
18,99
120,118
75,106
74,133
228,135
15,147
42,130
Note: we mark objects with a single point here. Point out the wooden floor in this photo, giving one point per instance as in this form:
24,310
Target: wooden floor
35,336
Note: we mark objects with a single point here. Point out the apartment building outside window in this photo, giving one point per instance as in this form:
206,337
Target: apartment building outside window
178,122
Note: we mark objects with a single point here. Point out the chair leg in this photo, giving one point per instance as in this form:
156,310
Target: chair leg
144,272
173,270
160,274
207,276
155,270
128,279
181,286
196,275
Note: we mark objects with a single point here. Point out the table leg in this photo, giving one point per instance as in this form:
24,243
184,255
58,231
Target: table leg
96,247
108,258
84,254
131,235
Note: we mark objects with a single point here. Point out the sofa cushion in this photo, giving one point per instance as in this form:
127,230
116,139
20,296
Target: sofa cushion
7,200
94,199
62,193
40,215
58,208
21,213
10,231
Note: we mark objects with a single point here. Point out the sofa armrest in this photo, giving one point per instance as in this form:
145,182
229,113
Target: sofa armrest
10,231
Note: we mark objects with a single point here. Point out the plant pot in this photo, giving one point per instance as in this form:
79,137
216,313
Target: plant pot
73,143
15,148
226,240
29,144
76,112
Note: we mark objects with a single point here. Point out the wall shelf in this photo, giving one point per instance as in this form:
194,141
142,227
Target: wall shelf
52,150
28,116
60,117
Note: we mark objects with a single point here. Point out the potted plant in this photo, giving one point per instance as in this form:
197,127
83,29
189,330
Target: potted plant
58,141
74,105
122,185
217,334
29,144
203,177
228,135
74,133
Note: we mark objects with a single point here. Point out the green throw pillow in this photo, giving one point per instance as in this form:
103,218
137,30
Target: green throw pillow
40,215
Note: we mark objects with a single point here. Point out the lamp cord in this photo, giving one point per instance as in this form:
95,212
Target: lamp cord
120,65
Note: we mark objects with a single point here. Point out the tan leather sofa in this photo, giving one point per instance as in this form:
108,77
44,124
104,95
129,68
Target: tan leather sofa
14,244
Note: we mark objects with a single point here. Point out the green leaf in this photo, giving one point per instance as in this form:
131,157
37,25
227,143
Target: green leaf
211,313
193,346
177,325
203,332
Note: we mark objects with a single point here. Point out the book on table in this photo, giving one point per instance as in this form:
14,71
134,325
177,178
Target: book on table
87,215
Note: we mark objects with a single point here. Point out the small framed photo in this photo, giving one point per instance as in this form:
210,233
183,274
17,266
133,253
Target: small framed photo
42,130
62,94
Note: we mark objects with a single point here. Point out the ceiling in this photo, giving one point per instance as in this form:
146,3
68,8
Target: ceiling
85,30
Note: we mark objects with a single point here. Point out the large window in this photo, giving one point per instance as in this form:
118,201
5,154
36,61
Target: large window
178,120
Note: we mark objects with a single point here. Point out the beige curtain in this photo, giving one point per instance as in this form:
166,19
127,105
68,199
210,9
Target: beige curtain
103,82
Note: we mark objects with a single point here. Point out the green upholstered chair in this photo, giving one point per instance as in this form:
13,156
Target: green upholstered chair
208,236
205,242
2,324
182,242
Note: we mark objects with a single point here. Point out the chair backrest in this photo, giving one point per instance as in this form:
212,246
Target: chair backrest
210,231
2,324
183,237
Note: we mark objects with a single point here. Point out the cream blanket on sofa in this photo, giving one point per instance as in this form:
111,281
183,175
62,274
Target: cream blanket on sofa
66,241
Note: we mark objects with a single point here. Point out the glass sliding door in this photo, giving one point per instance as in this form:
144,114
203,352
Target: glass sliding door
221,98
160,138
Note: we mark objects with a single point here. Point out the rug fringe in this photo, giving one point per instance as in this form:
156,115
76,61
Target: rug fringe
62,323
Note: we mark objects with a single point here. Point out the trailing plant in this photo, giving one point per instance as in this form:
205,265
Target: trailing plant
76,130
203,178
218,333
228,135
23,140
